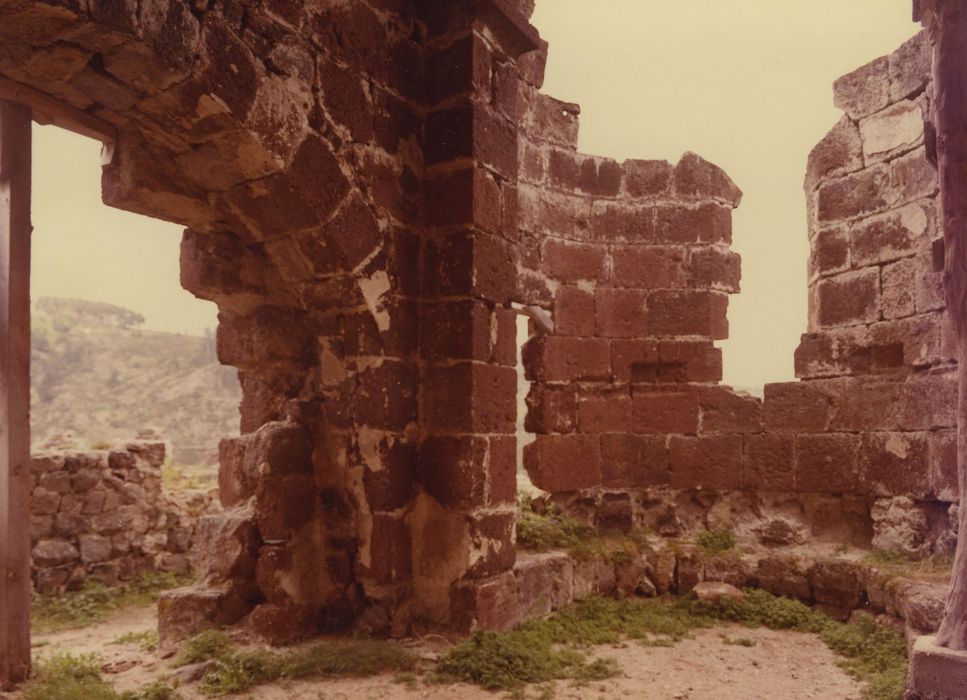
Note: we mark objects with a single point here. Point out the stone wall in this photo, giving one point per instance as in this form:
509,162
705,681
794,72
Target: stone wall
102,515
633,262
369,187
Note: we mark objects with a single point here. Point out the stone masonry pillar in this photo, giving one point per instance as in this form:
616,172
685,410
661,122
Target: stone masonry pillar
15,122
939,665
463,522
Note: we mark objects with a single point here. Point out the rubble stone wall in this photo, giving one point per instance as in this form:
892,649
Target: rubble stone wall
633,261
103,515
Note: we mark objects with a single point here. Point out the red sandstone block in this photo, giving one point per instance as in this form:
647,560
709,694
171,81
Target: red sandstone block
912,177
458,68
725,411
453,469
389,549
449,134
648,267
283,504
708,223
532,165
827,463
495,141
570,262
264,335
502,473
620,313
470,264
800,407
894,464
864,192
574,312
713,462
391,480
897,289
489,604
888,237
929,401
600,177
850,298
505,348
551,409
545,583
627,354
688,312
619,222
696,177
830,251
564,463
670,410
459,330
770,462
465,197
942,452
867,404
564,168
470,397
558,214
864,90
561,359
647,178
691,360
386,396
605,411
629,461
553,121
839,151
492,539
714,267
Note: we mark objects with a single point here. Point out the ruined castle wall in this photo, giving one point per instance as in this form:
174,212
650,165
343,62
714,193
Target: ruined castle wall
346,172
103,515
633,261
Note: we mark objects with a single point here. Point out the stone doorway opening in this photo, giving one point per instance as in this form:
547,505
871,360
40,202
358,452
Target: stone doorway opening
126,412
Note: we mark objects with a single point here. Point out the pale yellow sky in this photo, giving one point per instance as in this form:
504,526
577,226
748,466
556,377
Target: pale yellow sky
744,83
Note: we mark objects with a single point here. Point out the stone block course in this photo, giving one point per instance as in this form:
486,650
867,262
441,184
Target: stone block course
103,515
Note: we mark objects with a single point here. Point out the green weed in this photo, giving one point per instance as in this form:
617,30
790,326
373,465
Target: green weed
716,541
145,641
95,602
235,671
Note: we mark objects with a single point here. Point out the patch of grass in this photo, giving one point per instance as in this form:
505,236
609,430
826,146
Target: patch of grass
553,530
555,648
95,601
78,677
234,671
935,568
204,646
69,677
716,541
737,641
145,641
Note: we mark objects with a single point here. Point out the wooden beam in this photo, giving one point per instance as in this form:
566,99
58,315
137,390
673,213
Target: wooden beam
50,110
15,229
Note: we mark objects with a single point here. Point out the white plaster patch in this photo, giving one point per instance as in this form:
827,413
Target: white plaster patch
374,288
914,219
332,368
369,440
897,446
896,127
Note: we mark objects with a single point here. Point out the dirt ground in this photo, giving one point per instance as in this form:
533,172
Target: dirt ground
785,665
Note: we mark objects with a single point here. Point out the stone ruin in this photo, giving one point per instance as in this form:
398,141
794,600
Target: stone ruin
373,191
102,515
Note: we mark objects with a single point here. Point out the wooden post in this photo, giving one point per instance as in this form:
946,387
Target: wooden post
15,228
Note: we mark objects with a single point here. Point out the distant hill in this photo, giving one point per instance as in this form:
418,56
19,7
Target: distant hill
95,373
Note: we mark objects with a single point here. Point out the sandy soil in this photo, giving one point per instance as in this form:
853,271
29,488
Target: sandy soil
785,665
